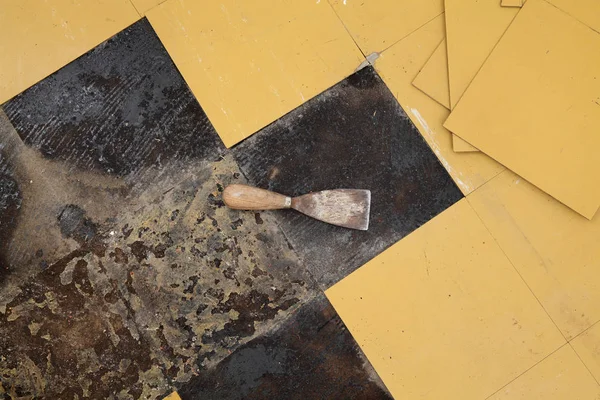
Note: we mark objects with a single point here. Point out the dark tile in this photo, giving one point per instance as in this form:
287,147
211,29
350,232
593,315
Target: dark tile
354,135
112,121
311,356
119,109
122,271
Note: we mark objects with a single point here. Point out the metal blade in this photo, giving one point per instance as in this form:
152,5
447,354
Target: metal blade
343,207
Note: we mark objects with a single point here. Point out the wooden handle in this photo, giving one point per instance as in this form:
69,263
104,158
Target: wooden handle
242,197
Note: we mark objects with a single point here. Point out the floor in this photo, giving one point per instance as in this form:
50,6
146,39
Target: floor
124,276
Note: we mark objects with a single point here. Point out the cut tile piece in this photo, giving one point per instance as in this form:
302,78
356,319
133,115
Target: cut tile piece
249,63
311,356
445,302
433,78
460,146
377,24
173,396
535,105
587,346
556,251
473,28
354,135
560,376
39,37
512,3
398,66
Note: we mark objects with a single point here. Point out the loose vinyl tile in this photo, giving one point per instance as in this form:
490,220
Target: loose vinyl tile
354,135
311,356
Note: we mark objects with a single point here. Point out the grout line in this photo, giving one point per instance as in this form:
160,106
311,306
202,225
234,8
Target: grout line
528,369
413,31
347,30
584,364
136,9
517,271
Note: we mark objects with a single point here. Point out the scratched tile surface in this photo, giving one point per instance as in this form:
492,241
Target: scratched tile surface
122,272
311,356
354,135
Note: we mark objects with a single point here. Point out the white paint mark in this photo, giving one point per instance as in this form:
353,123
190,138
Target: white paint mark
344,2
436,149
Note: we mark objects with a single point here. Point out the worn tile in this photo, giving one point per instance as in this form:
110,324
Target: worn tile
39,37
443,314
311,356
556,251
249,63
534,105
398,67
113,159
355,135
560,376
377,24
587,346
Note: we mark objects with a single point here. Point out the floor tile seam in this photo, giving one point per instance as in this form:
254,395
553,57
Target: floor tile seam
410,33
346,29
528,369
517,271
584,364
136,9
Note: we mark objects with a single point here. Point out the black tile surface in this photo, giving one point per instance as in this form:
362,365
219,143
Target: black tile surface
354,135
311,356
119,109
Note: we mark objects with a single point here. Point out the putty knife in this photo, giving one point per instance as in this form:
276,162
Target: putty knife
342,207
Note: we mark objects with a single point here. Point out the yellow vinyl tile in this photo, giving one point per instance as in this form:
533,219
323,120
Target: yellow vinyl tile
587,346
375,25
442,314
556,251
460,145
398,67
249,63
143,6
535,105
561,376
473,28
512,3
173,396
40,37
433,77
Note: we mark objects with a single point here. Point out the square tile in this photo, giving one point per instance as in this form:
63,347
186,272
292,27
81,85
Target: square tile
556,251
398,67
377,24
354,135
473,29
560,376
249,63
443,314
312,356
534,105
39,37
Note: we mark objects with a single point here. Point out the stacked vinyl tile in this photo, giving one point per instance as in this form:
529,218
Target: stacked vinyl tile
522,82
